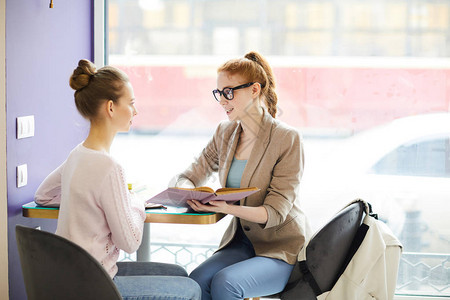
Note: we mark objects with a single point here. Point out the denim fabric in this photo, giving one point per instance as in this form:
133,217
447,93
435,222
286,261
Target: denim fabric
236,273
132,268
155,281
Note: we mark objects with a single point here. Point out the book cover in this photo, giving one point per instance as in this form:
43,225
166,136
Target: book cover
174,196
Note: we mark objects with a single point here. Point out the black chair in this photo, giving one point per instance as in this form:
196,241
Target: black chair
327,254
55,268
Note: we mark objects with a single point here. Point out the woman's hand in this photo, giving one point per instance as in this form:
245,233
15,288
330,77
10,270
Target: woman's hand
212,206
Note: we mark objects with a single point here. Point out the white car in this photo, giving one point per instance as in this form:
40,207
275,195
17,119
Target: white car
401,168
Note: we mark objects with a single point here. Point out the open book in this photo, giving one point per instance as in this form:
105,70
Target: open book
174,196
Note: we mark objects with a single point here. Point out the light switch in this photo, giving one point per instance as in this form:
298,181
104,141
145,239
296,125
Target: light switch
25,127
22,175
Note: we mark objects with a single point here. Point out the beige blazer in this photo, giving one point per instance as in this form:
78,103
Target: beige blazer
275,166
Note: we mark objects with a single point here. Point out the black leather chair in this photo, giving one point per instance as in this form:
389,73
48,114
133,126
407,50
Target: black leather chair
327,254
55,268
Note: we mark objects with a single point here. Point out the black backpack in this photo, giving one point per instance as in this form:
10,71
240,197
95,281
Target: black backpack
327,254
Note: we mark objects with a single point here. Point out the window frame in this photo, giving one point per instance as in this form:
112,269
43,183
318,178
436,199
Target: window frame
100,45
99,41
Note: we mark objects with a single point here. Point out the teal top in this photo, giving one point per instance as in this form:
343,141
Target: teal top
235,173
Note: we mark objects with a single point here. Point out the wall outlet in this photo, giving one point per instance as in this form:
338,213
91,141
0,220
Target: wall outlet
22,175
25,127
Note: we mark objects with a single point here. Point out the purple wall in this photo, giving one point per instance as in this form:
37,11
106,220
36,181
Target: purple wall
43,46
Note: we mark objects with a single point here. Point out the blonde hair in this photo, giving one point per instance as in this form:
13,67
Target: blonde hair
93,86
255,68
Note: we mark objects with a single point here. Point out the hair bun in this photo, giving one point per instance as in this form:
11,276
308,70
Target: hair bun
82,74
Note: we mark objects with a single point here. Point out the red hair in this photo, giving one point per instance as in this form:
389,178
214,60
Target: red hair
253,67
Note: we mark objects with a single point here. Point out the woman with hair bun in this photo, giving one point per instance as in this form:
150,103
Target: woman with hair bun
97,211
252,149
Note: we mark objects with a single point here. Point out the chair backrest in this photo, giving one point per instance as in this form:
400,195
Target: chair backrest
327,254
56,268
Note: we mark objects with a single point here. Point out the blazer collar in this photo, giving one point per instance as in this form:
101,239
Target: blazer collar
231,150
259,148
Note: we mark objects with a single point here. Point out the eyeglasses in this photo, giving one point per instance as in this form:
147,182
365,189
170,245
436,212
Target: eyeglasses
228,93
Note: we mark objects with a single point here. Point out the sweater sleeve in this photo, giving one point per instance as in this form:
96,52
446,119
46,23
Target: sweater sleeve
49,191
124,213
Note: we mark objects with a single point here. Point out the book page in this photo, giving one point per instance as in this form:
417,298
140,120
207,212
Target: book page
234,196
235,190
179,196
200,189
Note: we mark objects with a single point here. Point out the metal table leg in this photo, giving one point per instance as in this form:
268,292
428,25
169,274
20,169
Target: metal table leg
143,253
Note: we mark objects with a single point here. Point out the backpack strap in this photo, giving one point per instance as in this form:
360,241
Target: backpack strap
357,241
370,212
367,207
360,234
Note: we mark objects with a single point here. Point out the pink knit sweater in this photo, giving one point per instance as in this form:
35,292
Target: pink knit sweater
97,211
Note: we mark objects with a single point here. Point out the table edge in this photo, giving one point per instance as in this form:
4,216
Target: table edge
31,210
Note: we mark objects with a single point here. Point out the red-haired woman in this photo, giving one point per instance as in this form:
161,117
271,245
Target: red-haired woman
260,247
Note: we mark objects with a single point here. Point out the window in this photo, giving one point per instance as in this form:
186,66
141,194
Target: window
422,158
344,69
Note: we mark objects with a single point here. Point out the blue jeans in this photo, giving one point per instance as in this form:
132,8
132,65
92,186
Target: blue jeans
155,281
236,273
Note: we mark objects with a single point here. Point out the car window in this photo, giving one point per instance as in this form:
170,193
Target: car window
429,157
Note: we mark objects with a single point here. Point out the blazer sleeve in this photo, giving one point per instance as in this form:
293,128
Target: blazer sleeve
205,164
49,191
287,172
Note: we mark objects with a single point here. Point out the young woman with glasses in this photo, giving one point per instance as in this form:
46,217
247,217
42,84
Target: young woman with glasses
260,247
97,211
